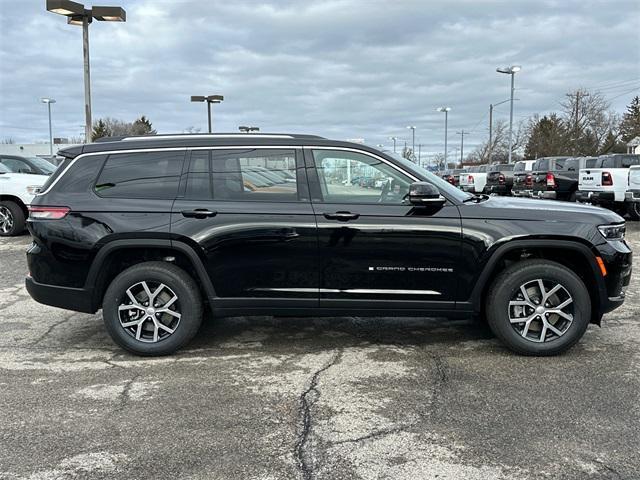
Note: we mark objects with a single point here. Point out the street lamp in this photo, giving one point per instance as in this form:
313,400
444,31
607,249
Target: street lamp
77,14
209,99
446,111
244,129
394,143
413,140
512,70
49,101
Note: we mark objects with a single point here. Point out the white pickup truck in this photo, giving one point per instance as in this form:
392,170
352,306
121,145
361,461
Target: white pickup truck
474,179
16,192
606,184
632,196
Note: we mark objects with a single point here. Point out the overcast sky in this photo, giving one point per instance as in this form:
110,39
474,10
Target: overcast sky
344,69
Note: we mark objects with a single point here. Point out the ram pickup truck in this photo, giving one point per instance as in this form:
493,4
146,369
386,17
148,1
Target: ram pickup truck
474,180
632,195
559,180
606,183
499,179
522,178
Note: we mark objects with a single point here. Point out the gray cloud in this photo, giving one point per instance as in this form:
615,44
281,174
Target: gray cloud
344,69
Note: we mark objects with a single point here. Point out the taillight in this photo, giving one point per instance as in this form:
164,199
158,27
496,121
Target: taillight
501,178
451,180
528,181
551,180
470,179
607,179
48,213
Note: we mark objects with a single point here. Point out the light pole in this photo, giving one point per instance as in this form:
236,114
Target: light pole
78,15
446,111
413,140
512,70
49,101
209,99
462,134
245,129
491,107
394,143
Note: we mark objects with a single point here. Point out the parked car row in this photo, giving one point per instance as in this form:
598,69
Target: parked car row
611,181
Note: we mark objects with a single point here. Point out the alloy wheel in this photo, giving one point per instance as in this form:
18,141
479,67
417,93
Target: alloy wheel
541,310
150,311
6,220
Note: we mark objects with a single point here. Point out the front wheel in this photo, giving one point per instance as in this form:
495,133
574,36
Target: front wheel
152,308
633,209
538,307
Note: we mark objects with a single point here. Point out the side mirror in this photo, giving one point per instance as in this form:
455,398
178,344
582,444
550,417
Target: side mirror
425,194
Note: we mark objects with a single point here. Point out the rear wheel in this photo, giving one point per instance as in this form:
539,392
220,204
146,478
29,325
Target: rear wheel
153,308
12,219
633,209
538,307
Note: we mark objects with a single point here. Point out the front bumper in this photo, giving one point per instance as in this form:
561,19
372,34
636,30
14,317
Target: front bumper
77,299
632,196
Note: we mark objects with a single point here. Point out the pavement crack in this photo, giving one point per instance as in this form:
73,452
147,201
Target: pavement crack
608,468
373,435
124,396
48,332
306,404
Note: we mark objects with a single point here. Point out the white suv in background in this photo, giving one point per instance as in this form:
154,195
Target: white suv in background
17,190
607,184
474,179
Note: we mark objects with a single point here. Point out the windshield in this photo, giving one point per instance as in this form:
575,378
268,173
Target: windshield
444,186
4,169
44,165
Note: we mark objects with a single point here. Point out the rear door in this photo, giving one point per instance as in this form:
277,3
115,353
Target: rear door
375,250
247,211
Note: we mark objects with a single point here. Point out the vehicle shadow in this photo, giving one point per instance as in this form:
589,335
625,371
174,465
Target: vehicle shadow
311,333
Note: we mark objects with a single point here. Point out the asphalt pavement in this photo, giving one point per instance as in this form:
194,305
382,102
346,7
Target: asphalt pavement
308,398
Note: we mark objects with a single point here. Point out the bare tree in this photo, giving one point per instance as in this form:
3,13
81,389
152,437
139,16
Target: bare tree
8,141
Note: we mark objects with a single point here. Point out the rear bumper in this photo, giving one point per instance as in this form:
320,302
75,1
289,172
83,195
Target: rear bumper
469,188
77,299
595,197
522,193
498,189
548,194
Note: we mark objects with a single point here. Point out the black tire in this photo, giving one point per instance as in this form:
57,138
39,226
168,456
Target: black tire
13,214
633,209
177,282
507,285
572,197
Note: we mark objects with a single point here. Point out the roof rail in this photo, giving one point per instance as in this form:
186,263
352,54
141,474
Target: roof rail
173,136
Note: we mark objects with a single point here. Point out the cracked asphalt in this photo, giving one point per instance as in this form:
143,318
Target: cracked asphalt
333,398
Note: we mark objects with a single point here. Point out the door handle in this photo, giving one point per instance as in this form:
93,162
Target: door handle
341,216
198,213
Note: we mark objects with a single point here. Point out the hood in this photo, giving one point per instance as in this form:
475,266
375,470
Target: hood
544,210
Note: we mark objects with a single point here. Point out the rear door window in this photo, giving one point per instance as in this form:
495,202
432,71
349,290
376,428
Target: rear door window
559,163
630,160
541,164
572,164
16,165
141,175
592,163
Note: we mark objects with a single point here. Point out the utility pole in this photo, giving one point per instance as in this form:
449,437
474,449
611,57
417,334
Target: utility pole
462,134
420,154
490,133
576,127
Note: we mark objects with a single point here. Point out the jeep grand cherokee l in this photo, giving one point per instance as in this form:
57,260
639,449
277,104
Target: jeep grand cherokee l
150,229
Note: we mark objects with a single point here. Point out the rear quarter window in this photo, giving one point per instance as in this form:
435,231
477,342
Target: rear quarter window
141,175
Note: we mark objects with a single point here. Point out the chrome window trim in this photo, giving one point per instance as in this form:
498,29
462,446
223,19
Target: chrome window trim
224,147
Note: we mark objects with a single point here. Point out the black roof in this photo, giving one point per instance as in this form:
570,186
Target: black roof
206,140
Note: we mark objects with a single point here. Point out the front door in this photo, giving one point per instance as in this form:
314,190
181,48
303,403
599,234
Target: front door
247,210
376,250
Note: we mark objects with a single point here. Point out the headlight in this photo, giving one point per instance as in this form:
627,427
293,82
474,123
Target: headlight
613,232
33,189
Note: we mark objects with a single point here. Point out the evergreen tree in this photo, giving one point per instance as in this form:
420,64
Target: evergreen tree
142,126
548,137
630,124
100,130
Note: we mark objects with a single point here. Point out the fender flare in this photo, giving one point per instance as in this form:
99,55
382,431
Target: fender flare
502,250
115,245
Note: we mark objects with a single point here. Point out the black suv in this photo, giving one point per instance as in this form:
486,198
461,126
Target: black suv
154,229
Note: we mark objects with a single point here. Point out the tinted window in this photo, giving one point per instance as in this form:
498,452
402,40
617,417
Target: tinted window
592,163
140,175
350,177
46,167
559,163
572,164
482,169
16,165
629,160
541,164
255,174
501,168
199,185
4,169
519,167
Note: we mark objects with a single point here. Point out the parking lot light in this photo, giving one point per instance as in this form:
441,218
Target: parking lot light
512,70
77,14
49,101
209,99
446,111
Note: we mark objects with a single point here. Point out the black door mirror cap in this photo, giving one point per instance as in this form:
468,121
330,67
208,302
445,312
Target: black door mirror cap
425,194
